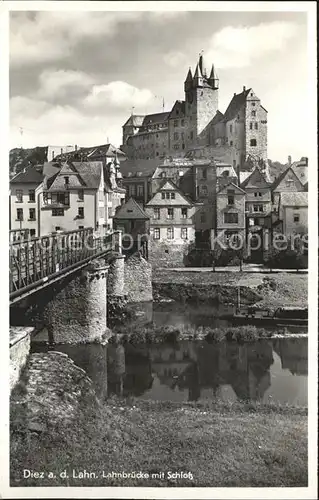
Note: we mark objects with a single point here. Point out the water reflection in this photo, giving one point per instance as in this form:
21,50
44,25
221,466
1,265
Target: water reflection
260,371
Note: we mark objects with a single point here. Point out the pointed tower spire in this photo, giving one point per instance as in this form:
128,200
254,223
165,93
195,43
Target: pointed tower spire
202,66
213,78
197,72
189,81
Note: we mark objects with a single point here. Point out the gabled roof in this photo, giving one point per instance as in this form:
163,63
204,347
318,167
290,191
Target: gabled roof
282,176
301,171
221,169
235,104
294,199
131,210
155,118
233,186
134,120
217,118
87,174
169,184
256,174
178,106
31,175
144,167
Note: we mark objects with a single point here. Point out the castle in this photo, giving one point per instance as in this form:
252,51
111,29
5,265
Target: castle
238,137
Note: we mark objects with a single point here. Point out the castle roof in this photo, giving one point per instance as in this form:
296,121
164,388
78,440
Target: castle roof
179,107
235,104
135,120
217,118
131,210
130,168
155,118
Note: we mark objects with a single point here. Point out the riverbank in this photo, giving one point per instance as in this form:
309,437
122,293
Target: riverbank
209,444
268,291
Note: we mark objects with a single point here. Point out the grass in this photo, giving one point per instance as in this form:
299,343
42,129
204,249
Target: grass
220,444
171,334
274,290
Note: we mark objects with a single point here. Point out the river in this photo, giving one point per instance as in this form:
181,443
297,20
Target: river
266,370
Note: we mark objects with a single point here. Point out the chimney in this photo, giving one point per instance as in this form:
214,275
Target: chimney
289,160
244,88
234,94
76,147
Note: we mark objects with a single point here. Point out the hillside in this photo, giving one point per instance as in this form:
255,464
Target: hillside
22,158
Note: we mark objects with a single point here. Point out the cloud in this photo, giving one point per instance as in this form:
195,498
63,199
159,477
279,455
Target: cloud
61,83
235,47
118,95
174,59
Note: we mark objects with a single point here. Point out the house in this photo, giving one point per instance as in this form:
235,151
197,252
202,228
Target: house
131,219
258,200
230,214
24,205
172,227
287,181
79,196
293,212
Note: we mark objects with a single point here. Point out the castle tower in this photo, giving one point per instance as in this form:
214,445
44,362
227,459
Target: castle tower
201,103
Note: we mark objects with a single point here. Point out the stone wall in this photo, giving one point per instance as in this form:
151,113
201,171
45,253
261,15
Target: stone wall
163,254
50,393
77,313
138,279
20,341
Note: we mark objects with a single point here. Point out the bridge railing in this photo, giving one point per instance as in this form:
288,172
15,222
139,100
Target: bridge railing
39,259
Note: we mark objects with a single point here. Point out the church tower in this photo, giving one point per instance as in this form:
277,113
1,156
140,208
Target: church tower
201,103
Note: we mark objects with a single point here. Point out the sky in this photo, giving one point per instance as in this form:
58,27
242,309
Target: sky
75,77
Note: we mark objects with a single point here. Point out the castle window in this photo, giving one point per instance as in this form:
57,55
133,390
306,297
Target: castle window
157,153
253,113
231,143
253,142
251,125
256,126
183,146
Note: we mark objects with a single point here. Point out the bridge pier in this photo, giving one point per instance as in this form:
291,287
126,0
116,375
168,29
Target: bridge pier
78,313
116,298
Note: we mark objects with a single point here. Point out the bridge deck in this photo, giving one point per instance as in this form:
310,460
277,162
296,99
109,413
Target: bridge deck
35,262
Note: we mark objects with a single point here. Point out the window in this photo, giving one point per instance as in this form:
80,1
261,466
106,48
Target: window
81,212
176,146
163,174
257,194
231,199
184,213
19,213
56,212
170,233
256,126
231,218
19,195
31,213
251,125
175,136
157,213
32,195
81,194
226,173
183,146
175,123
57,228
296,217
253,104
258,208
253,142
184,233
204,173
140,190
231,143
132,190
170,213
156,233
66,181
253,113
32,233
203,218
231,129
163,196
204,189
192,135
82,227
182,123
172,196
168,196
